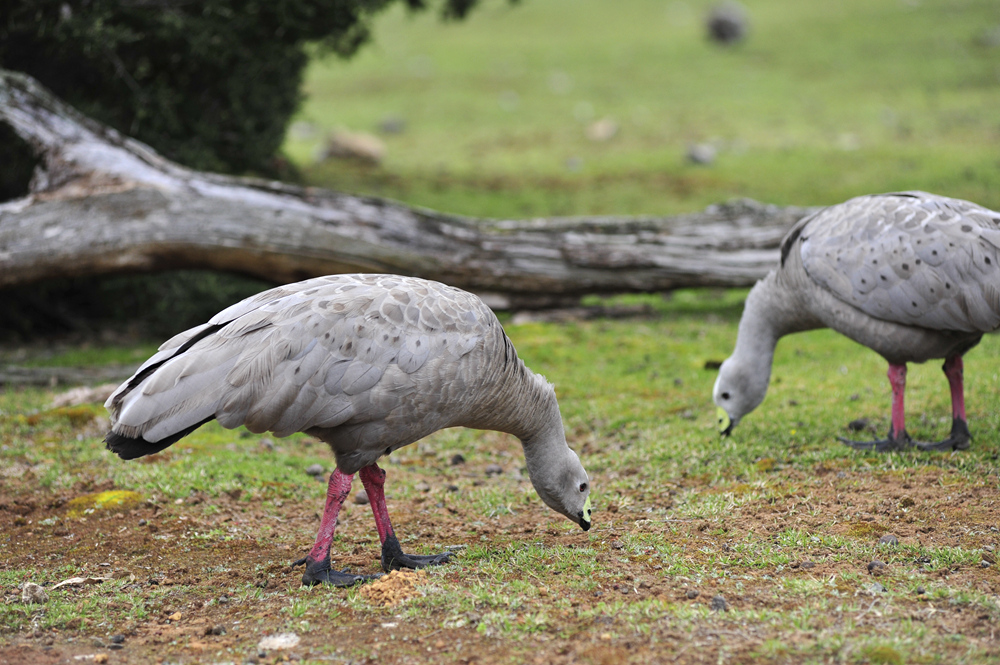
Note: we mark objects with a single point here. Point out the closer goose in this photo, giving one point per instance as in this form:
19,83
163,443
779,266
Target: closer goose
911,275
366,363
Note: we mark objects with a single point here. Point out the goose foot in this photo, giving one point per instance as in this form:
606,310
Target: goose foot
393,557
892,442
960,438
320,572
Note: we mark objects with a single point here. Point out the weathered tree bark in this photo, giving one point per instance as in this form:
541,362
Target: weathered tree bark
100,202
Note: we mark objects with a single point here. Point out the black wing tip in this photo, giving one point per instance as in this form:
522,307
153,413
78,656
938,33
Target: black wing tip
128,447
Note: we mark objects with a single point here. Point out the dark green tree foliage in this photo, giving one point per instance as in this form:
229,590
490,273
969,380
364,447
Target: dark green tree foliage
211,84
208,83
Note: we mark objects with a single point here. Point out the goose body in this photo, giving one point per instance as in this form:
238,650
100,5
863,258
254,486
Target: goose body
366,363
912,276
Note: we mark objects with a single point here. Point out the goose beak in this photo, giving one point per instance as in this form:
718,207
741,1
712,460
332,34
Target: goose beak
725,422
584,515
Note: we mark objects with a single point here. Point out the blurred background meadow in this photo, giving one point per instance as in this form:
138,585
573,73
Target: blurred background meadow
569,107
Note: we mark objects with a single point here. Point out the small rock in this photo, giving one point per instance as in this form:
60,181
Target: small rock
876,567
176,616
422,487
984,564
617,544
691,594
855,397
215,630
457,459
805,565
115,647
223,599
266,444
142,522
101,658
279,641
494,470
315,470
452,488
117,639
875,587
602,130
920,590
701,153
858,424
888,539
718,604
727,23
361,498
33,593
392,125
358,146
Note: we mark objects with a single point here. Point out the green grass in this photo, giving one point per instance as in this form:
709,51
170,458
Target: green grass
822,102
677,507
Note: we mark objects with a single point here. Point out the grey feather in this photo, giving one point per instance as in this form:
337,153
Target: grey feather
913,276
898,257
367,363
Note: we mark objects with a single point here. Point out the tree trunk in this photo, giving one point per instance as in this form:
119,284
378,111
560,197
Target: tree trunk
100,202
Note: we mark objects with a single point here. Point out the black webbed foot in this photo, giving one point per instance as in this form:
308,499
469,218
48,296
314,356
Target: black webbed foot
892,442
959,439
393,557
320,572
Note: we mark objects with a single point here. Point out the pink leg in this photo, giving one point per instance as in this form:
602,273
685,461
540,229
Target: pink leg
393,557
960,438
953,369
336,493
897,439
317,562
897,379
373,478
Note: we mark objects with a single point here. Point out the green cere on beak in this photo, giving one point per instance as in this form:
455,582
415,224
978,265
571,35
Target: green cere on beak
725,423
585,515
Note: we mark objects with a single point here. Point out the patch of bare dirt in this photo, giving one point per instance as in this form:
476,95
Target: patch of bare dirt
203,585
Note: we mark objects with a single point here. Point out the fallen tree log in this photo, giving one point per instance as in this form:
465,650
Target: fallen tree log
102,203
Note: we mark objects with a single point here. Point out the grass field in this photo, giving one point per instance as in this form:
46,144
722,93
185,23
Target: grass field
758,548
781,521
821,103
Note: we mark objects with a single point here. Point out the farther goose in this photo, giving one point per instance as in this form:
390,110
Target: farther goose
368,364
911,275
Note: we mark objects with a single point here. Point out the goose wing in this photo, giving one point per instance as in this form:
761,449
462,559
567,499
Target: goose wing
911,258
319,353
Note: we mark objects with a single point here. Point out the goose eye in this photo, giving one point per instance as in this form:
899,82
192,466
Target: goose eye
583,487
724,395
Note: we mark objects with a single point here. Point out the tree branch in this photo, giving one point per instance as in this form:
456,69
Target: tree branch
103,203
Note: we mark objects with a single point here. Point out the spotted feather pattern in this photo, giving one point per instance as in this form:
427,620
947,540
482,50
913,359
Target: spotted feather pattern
334,352
911,258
